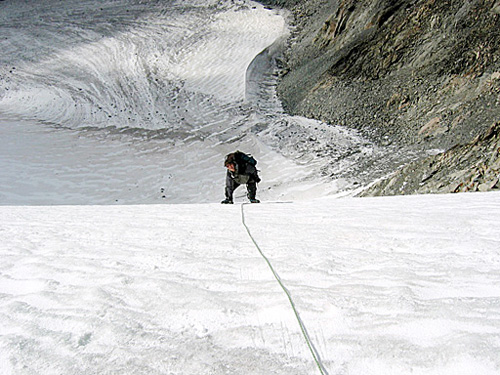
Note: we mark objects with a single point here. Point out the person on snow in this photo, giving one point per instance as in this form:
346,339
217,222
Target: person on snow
241,170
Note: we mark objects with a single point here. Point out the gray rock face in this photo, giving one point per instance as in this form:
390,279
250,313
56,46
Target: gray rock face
391,67
419,73
471,167
422,73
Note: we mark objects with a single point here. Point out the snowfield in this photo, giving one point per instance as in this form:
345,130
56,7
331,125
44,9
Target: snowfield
117,258
383,286
137,102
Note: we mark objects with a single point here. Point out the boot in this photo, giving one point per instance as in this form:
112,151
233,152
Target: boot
252,198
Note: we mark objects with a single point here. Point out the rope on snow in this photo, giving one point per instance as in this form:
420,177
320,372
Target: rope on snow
309,343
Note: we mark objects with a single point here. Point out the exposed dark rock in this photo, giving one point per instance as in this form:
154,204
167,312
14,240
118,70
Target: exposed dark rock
419,73
471,167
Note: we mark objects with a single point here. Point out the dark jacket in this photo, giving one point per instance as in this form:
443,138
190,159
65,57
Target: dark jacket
245,173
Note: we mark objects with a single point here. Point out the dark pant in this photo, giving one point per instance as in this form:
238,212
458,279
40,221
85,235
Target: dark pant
231,186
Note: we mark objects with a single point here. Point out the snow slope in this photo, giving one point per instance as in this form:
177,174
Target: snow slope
119,102
134,101
393,285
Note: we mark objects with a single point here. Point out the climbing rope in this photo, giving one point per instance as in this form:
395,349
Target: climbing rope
309,343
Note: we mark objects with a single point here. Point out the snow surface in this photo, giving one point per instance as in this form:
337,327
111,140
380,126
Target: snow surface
130,101
394,285
112,112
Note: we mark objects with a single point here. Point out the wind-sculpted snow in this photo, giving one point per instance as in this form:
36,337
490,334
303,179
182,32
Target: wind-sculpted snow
161,65
400,285
125,101
138,101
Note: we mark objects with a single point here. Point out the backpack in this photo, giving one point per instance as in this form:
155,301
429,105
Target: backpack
247,159
240,158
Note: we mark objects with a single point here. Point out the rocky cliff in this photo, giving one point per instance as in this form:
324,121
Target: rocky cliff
470,167
416,73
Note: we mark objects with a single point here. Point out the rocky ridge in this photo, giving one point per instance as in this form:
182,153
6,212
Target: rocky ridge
423,74
463,168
